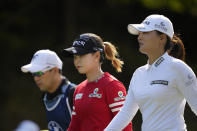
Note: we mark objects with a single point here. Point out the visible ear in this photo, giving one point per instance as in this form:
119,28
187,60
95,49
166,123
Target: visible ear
163,38
97,55
55,69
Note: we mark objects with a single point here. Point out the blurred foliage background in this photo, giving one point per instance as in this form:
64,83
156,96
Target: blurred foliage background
30,25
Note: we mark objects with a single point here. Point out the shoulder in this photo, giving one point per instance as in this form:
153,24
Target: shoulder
180,66
110,78
140,69
113,83
72,87
184,73
82,84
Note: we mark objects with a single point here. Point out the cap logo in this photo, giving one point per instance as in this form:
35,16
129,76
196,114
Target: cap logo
79,43
97,49
161,26
34,57
147,22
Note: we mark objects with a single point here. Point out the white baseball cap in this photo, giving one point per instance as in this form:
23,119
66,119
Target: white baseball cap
27,125
153,22
43,60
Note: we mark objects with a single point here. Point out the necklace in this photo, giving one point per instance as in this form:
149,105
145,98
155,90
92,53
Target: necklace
99,77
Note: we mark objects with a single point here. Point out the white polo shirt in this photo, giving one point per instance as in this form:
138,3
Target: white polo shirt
160,91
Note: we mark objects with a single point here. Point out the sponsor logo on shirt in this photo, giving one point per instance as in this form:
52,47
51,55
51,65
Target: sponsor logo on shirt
78,96
95,93
190,80
159,61
163,82
120,96
54,126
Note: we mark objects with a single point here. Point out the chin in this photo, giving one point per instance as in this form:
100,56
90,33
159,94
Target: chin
142,51
81,72
42,89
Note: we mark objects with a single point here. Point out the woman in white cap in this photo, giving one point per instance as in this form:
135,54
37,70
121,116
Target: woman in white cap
98,98
160,88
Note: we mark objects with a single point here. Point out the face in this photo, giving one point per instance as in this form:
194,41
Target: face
86,63
149,42
44,81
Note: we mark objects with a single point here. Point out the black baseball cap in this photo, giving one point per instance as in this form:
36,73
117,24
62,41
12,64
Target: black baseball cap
83,45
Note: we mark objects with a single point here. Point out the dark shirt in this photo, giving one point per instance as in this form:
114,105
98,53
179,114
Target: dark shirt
58,106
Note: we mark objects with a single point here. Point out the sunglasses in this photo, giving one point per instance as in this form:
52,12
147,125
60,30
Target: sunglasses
39,73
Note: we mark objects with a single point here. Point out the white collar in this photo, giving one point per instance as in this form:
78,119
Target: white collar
158,61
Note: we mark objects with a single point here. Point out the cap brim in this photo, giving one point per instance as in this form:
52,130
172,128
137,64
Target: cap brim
75,51
136,28
31,68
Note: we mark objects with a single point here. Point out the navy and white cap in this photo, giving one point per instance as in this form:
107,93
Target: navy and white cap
83,45
153,22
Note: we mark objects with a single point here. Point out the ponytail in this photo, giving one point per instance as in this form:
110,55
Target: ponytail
112,54
174,47
177,48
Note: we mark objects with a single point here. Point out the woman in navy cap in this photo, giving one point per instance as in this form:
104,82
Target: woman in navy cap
160,88
99,98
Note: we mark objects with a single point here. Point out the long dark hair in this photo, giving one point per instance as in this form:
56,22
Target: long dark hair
174,47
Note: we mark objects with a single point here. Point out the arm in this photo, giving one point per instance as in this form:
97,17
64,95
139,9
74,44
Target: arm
74,124
116,94
126,113
187,85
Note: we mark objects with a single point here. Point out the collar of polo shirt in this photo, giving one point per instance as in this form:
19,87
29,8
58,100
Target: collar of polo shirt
157,62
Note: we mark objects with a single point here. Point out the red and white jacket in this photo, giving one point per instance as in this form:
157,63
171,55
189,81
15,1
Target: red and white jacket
96,103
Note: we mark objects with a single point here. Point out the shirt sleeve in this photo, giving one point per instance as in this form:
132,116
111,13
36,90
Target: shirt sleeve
187,84
116,94
126,113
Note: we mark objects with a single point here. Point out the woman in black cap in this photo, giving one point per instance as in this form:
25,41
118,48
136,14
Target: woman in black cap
99,98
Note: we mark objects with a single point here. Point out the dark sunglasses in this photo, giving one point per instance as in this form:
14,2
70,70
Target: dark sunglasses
39,73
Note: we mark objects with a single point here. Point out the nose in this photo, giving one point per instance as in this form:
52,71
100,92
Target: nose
76,60
36,78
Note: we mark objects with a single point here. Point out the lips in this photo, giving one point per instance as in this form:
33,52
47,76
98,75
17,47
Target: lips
38,84
78,67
